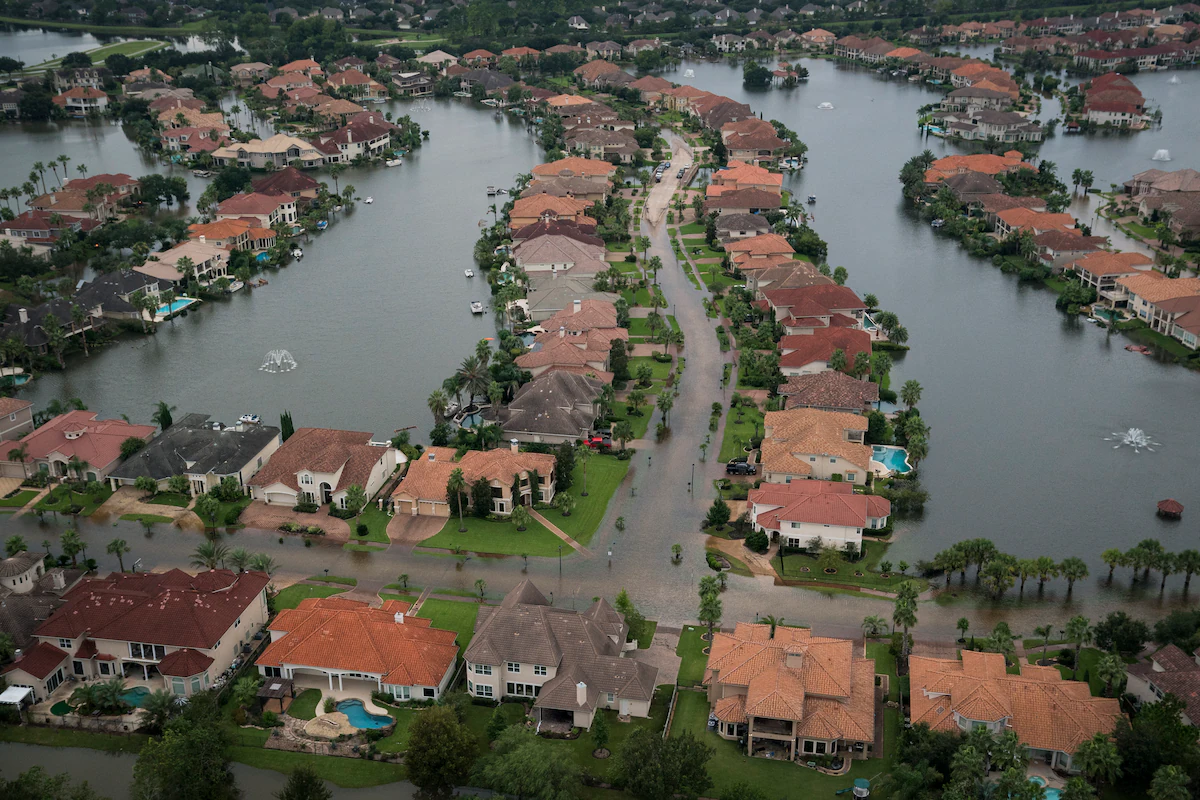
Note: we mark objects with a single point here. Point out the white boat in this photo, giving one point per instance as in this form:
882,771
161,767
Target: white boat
369,200
825,107
297,254
812,199
203,173
393,162
236,286
249,419
470,273
502,191
476,307
492,191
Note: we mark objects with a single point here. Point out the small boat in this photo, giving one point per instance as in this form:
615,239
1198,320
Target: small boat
502,191
476,307
202,173
812,199
1138,348
825,106
260,282
297,253
323,224
937,223
236,286
249,419
492,191
369,200
393,162
470,273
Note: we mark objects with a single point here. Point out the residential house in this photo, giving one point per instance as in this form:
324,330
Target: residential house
112,293
234,233
480,58
753,248
550,293
968,187
1159,182
990,205
762,146
551,227
971,98
784,273
29,593
985,124
514,478
808,444
356,84
1050,715
388,649
278,151
289,181
811,352
578,188
349,62
366,135
412,84
16,420
267,209
788,694
558,405
10,103
439,59
577,23
817,306
1179,210
1100,270
608,50
743,201
987,163
207,263
81,77
205,452
740,175
318,465
81,101
604,144
801,514
1169,306
188,117
78,443
593,74
185,630
651,88
830,391
250,72
1022,219
528,210
1056,248
741,226
519,53
568,664
557,253
44,226
1168,671
729,43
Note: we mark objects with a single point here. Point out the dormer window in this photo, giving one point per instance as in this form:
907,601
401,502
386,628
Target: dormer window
306,479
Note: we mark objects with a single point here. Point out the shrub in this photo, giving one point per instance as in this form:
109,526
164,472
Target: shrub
1066,657
631,259
362,529
341,513
712,561
758,541
662,358
231,516
306,508
330,706
314,530
270,719
239,715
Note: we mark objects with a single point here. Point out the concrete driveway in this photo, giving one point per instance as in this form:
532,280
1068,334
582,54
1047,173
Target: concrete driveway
410,531
661,654
261,516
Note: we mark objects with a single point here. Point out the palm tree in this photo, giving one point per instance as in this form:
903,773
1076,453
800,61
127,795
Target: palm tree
910,393
1044,631
1079,631
261,562
521,517
904,616
963,626
157,709
162,415
1098,759
1170,783
1073,569
773,621
475,376
238,559
118,548
1076,178
167,298
438,402
209,554
21,452
1113,558
1165,563
456,487
71,544
1188,562
1110,669
873,625
1046,569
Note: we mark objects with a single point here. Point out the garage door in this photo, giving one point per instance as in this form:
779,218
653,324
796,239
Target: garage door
281,498
433,509
403,507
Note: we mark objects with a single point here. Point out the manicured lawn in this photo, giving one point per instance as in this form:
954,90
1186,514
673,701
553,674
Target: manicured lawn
1089,657
155,519
646,635
403,598
885,664
580,750
604,475
334,579
638,423
477,718
349,773
730,764
640,297
640,326
305,704
692,228
452,615
738,434
397,740
659,369
794,562
292,595
712,275
231,511
376,522
19,499
170,499
736,565
691,669
618,247
497,536
61,498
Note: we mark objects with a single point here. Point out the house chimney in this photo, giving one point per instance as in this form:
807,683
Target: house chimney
581,693
578,306
58,580
512,445
431,457
23,314
399,617
562,330
203,239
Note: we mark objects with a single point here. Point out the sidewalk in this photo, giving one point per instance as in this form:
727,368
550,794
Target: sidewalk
557,532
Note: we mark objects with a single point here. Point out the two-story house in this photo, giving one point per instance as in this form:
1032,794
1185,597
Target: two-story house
805,443
266,207
1168,671
205,262
513,478
318,465
16,418
568,664
79,438
801,513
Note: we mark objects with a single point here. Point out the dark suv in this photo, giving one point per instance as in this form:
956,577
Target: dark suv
740,468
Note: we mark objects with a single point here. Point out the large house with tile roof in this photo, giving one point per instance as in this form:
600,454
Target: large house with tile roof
802,514
560,404
830,391
545,207
1168,671
388,649
568,664
805,443
786,692
575,167
1051,716
318,465
811,352
183,629
78,437
1169,306
513,476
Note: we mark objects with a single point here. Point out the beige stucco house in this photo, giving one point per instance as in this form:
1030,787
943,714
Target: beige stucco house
318,465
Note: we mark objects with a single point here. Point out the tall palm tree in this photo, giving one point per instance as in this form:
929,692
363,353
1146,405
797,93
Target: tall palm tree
162,415
1110,669
1044,631
118,548
157,709
78,318
1115,558
456,487
261,562
20,454
1073,569
71,544
209,554
438,402
1079,631
238,559
475,376
1188,562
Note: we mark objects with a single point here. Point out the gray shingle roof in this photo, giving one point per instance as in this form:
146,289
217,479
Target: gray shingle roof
192,446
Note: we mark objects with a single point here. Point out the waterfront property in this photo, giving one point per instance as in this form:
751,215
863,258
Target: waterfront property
208,263
792,695
77,441
1051,716
513,477
569,664
29,593
830,391
278,151
388,649
1168,306
266,208
805,443
205,452
808,353
799,513
1100,270
318,465
891,460
1168,671
16,420
555,407
175,631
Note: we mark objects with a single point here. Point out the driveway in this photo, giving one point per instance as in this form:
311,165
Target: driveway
263,517
128,500
410,531
661,654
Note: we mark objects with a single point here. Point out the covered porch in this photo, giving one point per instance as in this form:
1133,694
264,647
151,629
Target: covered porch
339,688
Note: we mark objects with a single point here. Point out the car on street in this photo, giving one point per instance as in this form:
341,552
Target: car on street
740,468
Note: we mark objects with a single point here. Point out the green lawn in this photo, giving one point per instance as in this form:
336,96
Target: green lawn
646,635
397,740
64,737
225,509
170,499
334,579
1089,657
713,277
730,764
639,297
736,565
871,579
691,669
292,595
640,326
61,498
376,522
618,247
452,615
638,423
580,750
18,500
738,434
692,228
305,704
885,663
604,475
498,536
154,519
350,773
658,369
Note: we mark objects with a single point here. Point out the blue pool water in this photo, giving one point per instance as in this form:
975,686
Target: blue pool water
891,457
471,420
1051,794
359,717
135,696
528,338
182,302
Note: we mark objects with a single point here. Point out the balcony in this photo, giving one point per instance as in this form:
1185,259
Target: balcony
763,726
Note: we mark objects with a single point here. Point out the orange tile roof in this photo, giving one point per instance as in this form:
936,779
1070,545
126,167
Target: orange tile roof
904,52
797,350
1045,711
339,634
538,204
1023,218
808,431
765,244
575,165
426,479
321,450
1153,288
1103,263
568,100
987,163
221,229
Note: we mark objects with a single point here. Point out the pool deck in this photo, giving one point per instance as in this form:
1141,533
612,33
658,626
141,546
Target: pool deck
1042,770
352,689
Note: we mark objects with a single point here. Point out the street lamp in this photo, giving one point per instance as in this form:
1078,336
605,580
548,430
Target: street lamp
560,561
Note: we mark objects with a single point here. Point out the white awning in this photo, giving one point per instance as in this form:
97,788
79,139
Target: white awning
15,695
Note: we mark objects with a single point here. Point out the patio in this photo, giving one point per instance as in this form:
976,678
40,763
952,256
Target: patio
350,689
1041,769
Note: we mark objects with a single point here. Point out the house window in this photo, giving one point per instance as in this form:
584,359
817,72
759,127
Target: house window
612,698
64,644
820,747
306,479
483,690
483,669
401,692
104,668
177,686
195,684
54,680
272,672
237,622
539,669
522,689
12,417
428,692
514,666
470,687
149,652
850,476
833,461
808,746
812,458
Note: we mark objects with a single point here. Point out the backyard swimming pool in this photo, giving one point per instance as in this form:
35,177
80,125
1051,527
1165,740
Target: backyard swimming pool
176,305
135,696
894,458
359,717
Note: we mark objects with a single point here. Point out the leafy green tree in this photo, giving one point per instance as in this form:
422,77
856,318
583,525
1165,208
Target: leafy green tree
286,429
1077,789
189,762
146,485
179,484
497,724
162,414
118,548
521,765
37,784
600,731
158,708
15,544
207,508
710,611
131,445
440,752
521,517
718,514
1170,783
456,488
652,768
304,784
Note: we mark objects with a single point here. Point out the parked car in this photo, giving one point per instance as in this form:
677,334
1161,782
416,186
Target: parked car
679,174
599,442
740,468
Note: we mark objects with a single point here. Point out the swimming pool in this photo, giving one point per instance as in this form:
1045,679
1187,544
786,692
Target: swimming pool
471,420
894,458
1038,780
176,305
359,716
135,696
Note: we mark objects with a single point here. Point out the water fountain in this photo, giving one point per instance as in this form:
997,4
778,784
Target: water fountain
689,73
278,361
1135,438
1175,80
826,106
1161,155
